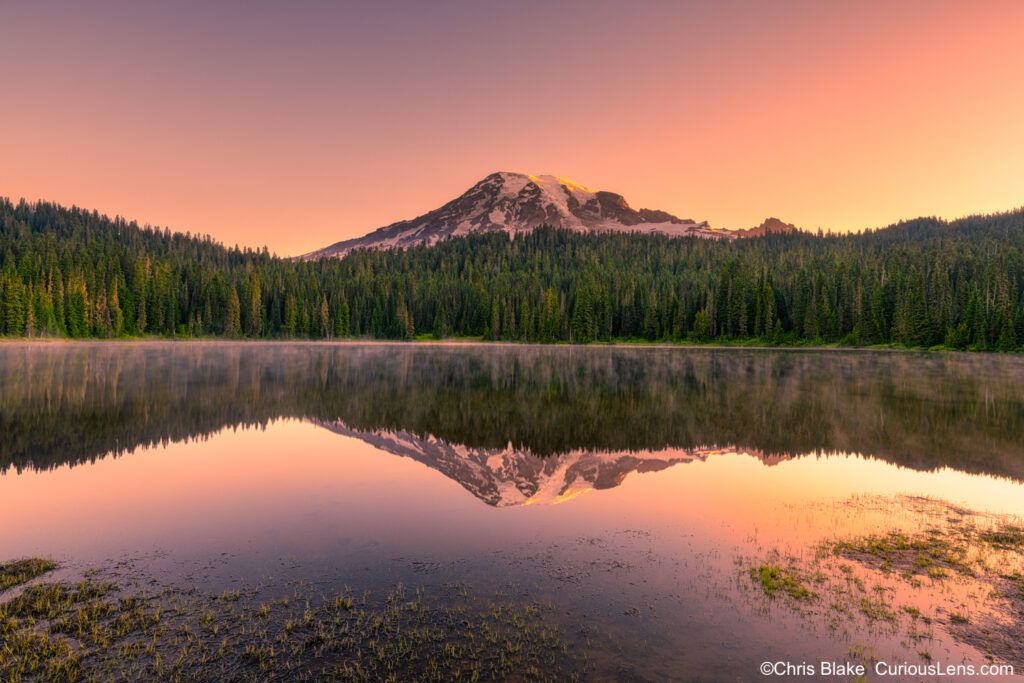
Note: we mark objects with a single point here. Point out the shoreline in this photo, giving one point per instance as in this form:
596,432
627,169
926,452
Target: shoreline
897,592
484,343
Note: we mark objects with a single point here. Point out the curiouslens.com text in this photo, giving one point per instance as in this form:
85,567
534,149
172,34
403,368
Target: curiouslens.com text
883,669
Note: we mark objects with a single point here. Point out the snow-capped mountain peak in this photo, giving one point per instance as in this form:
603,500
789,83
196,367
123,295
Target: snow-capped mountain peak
516,203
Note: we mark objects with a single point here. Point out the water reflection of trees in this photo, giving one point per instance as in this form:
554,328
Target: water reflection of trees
74,403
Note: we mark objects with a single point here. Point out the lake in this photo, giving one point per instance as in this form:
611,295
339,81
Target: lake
365,511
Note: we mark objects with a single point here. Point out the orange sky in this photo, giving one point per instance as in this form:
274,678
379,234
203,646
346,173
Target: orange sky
299,124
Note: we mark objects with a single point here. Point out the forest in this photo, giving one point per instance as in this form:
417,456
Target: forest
923,283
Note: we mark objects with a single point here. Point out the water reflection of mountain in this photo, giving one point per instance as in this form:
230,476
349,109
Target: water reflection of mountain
505,477
72,403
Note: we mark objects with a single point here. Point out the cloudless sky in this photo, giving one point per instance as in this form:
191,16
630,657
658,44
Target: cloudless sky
298,124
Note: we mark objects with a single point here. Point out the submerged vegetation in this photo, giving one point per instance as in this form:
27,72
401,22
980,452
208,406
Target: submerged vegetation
964,548
986,554
776,580
965,577
97,631
921,283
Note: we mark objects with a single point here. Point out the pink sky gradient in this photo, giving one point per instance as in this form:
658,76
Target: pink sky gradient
296,125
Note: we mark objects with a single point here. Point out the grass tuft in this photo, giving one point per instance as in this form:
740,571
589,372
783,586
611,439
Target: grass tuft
775,579
88,631
20,571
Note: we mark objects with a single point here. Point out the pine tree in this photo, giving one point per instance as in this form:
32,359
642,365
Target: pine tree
60,318
114,306
341,322
13,305
78,311
30,314
232,313
701,326
291,314
581,328
324,320
549,318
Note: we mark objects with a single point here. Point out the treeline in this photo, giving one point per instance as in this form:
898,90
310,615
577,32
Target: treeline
921,283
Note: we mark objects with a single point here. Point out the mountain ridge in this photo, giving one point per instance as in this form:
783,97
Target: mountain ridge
516,203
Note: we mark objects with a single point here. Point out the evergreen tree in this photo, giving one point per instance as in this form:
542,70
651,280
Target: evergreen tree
341,322
232,314
77,310
76,273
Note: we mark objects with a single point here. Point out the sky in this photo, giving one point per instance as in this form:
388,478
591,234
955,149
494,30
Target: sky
298,124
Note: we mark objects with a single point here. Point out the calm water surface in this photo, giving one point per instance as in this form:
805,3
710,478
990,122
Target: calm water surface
632,489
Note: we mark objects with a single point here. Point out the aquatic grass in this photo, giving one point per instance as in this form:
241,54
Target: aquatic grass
98,631
17,572
30,655
775,579
931,553
1004,537
980,554
877,609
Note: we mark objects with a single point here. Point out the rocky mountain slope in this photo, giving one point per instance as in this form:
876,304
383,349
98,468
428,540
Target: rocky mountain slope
514,203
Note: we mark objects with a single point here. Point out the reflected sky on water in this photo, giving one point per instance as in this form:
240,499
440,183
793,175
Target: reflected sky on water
626,485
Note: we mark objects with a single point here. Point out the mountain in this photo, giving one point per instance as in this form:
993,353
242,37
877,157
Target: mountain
770,225
516,203
508,477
